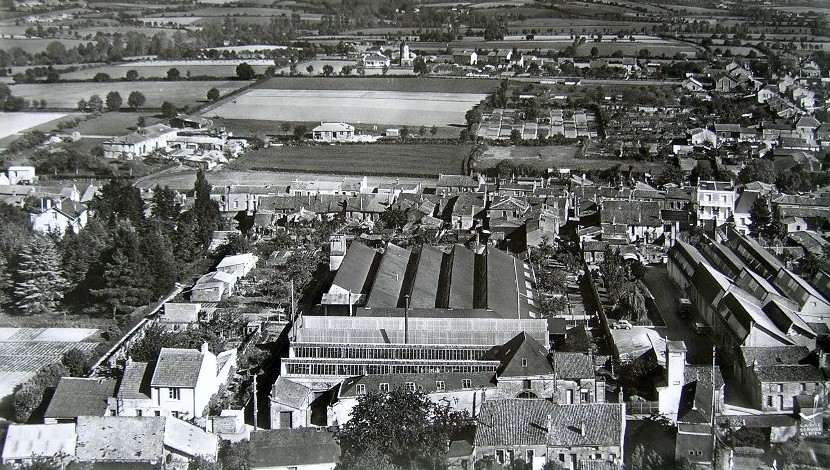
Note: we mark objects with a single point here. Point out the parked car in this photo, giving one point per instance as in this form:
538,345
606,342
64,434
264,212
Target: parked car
621,325
701,328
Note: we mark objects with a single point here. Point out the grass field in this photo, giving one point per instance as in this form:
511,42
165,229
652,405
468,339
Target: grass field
354,106
158,69
411,84
33,46
13,123
359,159
181,93
554,157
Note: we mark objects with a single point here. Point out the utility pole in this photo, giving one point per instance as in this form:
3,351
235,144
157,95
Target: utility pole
256,409
406,319
714,434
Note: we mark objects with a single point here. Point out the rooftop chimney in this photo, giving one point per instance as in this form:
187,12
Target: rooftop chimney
582,428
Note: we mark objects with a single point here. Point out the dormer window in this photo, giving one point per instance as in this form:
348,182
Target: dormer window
524,362
361,389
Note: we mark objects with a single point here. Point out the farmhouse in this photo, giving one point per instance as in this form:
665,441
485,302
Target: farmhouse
374,61
333,132
140,143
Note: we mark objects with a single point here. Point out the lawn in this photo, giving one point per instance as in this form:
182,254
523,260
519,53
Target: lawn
180,93
392,108
359,159
555,157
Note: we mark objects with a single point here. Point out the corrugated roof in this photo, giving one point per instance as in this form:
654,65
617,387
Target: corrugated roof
293,447
462,278
355,268
177,368
426,382
75,397
386,290
425,288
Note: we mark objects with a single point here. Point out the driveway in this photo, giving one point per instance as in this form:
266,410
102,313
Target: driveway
666,295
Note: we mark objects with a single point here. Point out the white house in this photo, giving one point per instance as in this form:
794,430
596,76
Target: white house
704,137
715,201
333,132
238,265
140,143
57,217
374,60
465,58
21,175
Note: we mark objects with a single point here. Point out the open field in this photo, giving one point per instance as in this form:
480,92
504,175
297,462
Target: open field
410,84
554,157
33,46
354,106
67,95
359,159
13,123
23,351
158,69
112,124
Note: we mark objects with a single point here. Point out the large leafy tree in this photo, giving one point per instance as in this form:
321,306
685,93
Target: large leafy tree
759,169
119,199
399,428
39,280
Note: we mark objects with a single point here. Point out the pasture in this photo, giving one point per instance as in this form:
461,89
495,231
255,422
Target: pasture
354,106
14,123
180,93
557,156
33,46
158,69
359,159
410,84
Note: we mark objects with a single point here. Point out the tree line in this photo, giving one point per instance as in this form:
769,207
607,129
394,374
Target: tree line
123,258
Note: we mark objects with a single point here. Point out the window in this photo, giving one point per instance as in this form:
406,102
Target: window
526,384
466,383
583,397
439,386
803,387
175,414
769,400
410,387
361,389
139,413
779,387
529,456
500,456
524,362
174,393
384,388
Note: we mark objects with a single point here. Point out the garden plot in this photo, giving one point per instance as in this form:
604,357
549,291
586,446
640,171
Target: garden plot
353,106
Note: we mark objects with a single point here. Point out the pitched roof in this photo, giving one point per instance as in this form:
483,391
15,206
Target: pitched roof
774,355
386,288
333,127
24,441
516,421
425,382
789,373
293,447
189,439
75,397
573,365
134,383
177,368
520,357
288,393
354,270
184,312
139,439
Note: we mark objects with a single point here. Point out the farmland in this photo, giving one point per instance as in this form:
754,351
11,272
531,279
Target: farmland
13,123
33,46
553,157
410,84
181,93
158,69
359,159
377,107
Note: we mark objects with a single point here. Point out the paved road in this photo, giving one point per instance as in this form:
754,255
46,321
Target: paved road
666,293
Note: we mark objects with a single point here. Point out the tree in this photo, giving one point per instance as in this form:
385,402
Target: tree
101,77
419,66
761,223
52,75
206,210
328,70
670,174
300,131
594,52
701,172
95,104
235,455
173,74
114,101
131,75
406,428
127,280
136,99
759,169
82,105
346,70
76,362
40,281
646,459
168,109
310,69
433,130
245,72
213,94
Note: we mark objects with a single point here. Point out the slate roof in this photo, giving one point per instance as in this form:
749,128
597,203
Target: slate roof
177,368
138,438
75,397
288,393
333,127
695,403
386,289
455,181
511,354
745,201
515,421
789,373
354,270
134,383
775,355
573,366
293,447
639,213
425,287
